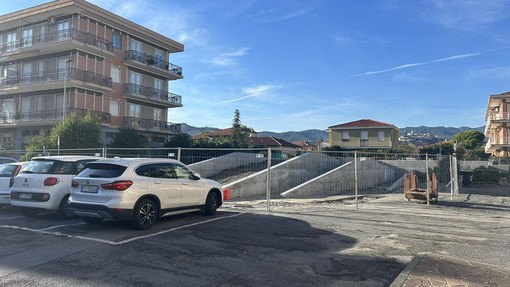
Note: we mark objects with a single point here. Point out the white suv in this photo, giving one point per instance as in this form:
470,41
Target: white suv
140,190
44,184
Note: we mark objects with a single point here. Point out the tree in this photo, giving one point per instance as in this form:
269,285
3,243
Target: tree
76,132
469,139
128,138
36,144
180,140
238,138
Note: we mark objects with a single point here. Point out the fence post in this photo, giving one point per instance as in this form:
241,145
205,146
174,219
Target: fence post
356,178
105,150
452,178
427,175
179,153
268,183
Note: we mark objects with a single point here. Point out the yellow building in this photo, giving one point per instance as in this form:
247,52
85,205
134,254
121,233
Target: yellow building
363,134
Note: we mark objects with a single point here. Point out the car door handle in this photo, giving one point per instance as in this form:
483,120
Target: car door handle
184,183
157,182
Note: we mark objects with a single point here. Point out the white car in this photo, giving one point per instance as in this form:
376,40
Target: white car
140,190
44,184
8,172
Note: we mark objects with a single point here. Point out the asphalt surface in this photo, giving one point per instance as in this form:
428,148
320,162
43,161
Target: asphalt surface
298,243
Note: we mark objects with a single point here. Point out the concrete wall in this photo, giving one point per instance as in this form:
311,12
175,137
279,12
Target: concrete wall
340,181
214,167
284,176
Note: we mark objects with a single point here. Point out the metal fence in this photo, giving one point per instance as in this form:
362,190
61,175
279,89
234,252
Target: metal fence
268,174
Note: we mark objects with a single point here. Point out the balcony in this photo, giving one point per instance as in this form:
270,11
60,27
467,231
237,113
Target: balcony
153,64
151,125
494,144
54,79
153,95
47,116
56,42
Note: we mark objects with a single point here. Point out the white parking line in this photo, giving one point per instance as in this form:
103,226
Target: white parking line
44,231
63,225
14,217
173,229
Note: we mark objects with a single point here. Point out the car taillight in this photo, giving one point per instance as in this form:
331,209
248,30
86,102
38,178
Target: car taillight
120,185
74,184
51,181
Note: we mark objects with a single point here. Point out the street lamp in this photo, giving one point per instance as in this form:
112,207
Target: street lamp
65,81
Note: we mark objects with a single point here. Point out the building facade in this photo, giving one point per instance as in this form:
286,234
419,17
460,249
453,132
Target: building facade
497,123
363,134
70,56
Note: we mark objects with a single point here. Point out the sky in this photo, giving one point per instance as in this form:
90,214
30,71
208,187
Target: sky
293,65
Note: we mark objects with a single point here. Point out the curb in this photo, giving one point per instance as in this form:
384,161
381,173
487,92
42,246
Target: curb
402,277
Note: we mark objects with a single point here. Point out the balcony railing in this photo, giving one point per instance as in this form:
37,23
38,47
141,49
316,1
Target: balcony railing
56,75
152,93
59,36
153,61
48,115
152,125
500,116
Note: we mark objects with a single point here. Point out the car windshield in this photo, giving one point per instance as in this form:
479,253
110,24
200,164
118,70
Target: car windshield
7,170
104,170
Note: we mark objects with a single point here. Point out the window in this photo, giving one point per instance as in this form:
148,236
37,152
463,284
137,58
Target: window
134,110
135,78
158,114
158,55
11,42
183,172
380,136
27,37
63,30
117,40
115,74
345,136
27,73
363,139
114,108
136,46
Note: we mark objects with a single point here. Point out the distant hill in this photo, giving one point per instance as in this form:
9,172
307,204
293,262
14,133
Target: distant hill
191,130
313,135
441,132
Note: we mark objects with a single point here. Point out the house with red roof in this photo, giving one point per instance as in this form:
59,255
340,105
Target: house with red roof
272,142
363,134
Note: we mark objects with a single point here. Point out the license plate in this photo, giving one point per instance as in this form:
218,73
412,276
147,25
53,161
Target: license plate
25,196
89,189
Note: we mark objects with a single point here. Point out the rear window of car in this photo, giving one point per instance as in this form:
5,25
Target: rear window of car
102,170
8,170
41,166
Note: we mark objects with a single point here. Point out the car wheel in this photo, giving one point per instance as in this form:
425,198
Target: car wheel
211,204
29,212
92,220
145,214
63,209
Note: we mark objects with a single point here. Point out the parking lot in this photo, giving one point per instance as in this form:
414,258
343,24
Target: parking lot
300,243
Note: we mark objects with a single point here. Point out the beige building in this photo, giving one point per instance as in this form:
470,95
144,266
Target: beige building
363,134
497,124
70,56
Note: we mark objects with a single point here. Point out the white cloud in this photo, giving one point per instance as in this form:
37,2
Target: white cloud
228,58
405,66
253,92
467,14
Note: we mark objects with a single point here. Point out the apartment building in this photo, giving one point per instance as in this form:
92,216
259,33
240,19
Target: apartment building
497,124
363,134
70,56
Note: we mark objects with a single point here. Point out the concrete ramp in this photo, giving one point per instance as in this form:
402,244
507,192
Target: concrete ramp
340,181
284,176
